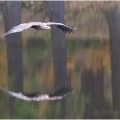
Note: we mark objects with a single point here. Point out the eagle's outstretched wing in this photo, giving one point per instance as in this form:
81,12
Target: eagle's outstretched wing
40,97
24,97
21,27
61,26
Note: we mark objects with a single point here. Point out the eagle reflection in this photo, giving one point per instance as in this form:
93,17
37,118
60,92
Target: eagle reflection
62,92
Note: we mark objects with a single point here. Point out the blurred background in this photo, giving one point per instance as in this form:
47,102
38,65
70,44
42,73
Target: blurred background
88,59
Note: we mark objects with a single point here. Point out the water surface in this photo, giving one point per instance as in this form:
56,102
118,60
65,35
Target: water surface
88,72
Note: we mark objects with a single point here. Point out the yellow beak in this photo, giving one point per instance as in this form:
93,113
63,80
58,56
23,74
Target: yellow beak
49,27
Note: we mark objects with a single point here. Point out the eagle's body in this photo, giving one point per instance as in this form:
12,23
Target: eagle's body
39,26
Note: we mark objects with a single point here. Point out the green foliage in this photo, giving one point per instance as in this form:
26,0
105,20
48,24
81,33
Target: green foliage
37,7
82,105
4,111
73,46
55,109
25,110
51,109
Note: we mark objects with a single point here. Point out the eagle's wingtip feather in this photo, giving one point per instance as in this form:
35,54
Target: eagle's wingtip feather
74,28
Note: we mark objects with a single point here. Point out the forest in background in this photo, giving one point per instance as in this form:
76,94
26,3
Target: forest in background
78,14
95,20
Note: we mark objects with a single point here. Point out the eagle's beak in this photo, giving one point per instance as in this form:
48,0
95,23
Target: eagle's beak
49,27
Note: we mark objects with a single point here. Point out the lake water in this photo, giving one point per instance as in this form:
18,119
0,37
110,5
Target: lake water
88,71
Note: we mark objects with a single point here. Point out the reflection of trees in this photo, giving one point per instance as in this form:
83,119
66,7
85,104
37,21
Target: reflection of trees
59,51
12,16
113,18
90,75
92,85
25,110
3,80
38,68
59,46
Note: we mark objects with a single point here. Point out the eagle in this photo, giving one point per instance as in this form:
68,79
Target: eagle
40,26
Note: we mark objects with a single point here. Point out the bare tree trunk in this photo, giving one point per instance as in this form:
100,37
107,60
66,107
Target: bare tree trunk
113,18
58,45
12,17
59,51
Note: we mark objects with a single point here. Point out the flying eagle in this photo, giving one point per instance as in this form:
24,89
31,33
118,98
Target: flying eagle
40,97
39,26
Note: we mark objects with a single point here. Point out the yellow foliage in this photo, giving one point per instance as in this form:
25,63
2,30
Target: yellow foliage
101,58
43,109
70,65
3,67
48,75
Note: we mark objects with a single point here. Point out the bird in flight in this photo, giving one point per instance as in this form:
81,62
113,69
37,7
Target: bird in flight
39,26
40,97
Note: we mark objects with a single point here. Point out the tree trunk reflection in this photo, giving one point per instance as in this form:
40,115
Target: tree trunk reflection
92,87
12,17
59,46
113,18
59,51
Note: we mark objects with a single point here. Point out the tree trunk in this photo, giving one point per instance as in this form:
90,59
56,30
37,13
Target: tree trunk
113,18
12,16
58,45
59,51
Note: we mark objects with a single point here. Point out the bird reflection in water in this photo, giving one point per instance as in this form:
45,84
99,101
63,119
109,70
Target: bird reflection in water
62,92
